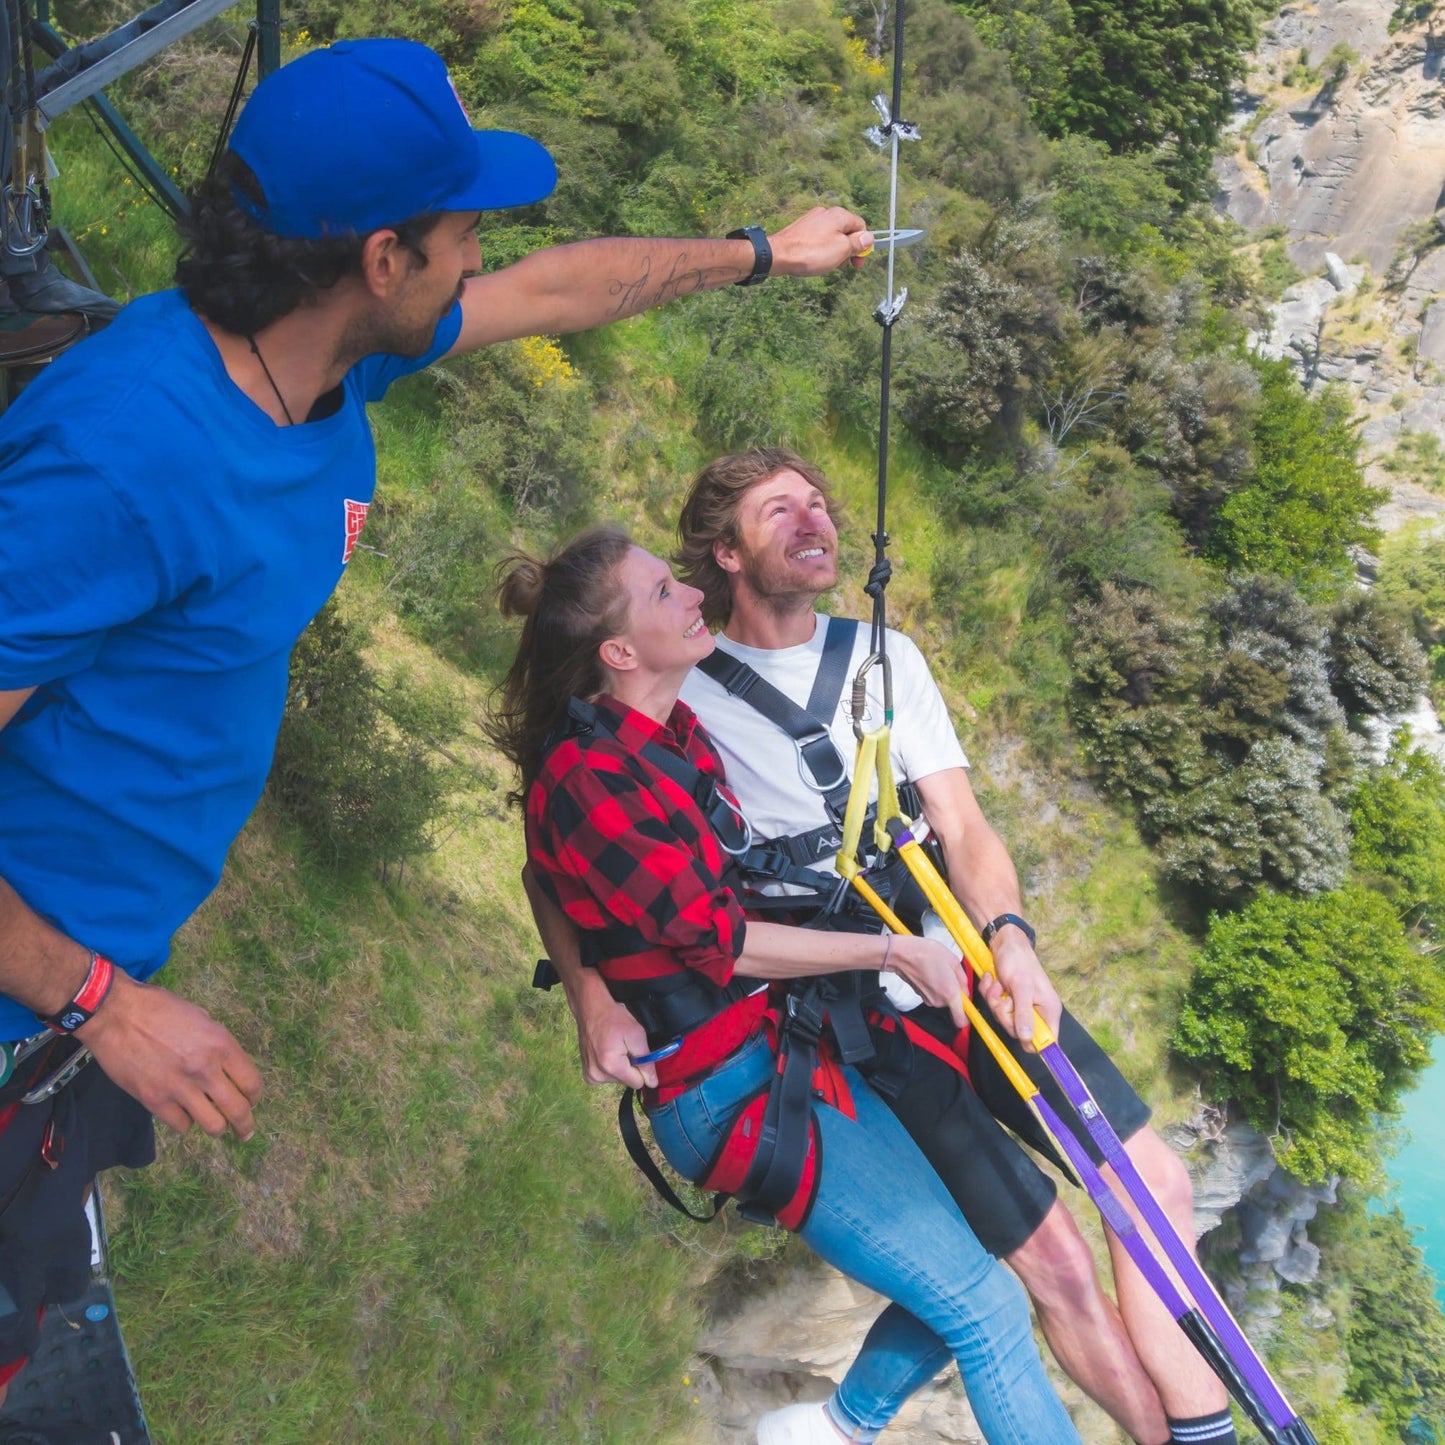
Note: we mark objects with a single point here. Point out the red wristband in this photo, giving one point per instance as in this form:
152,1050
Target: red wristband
92,994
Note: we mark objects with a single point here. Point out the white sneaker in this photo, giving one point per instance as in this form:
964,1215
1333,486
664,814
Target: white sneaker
805,1424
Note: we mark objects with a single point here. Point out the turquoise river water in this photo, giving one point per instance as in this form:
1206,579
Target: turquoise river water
1419,1168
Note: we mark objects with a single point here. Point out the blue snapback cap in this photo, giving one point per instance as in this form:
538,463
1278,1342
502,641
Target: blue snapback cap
369,133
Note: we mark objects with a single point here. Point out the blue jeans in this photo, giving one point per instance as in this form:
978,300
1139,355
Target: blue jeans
882,1217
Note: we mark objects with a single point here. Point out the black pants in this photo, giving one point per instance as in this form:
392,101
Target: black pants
44,1234
961,1129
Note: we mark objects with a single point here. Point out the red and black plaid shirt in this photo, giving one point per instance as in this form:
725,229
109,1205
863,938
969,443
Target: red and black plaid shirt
628,856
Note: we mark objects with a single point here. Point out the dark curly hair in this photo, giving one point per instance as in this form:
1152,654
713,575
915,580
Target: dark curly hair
243,278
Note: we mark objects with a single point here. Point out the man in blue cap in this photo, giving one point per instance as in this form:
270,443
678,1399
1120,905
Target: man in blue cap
178,498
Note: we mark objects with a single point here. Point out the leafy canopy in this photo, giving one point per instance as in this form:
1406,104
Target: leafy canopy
1307,503
1313,1013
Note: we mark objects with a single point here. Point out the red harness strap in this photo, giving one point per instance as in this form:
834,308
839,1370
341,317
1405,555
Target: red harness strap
734,1160
955,1056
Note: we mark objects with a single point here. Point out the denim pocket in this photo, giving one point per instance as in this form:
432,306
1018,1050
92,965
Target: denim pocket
676,1142
690,1128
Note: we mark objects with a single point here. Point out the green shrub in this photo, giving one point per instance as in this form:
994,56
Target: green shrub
1376,666
1224,732
1313,1013
1397,821
1307,502
357,763
1412,576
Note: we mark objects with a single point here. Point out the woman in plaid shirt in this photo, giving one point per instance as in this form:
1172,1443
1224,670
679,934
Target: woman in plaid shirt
619,844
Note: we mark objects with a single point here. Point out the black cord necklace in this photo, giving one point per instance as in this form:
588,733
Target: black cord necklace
256,352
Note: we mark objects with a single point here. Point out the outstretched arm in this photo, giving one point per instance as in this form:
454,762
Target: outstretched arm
984,880
589,283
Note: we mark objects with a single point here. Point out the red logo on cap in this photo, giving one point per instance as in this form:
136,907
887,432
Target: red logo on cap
355,521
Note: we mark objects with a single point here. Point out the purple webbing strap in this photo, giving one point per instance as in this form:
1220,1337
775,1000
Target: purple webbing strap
1195,1280
1115,1215
1185,1316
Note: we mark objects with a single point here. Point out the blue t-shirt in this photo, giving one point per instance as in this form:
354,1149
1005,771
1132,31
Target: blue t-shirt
163,544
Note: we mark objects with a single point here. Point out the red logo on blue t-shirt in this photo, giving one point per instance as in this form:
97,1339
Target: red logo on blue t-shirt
355,521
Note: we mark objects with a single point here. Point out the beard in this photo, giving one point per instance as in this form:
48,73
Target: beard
409,332
783,586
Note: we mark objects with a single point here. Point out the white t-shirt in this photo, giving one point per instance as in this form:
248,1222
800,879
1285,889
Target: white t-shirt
764,768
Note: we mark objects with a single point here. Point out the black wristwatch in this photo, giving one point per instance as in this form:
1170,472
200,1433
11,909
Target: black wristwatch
1002,921
762,253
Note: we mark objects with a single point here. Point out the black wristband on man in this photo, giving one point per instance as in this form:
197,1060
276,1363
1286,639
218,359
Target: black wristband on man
89,997
762,254
1002,921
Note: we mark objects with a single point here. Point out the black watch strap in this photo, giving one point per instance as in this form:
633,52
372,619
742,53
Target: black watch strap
1002,921
762,253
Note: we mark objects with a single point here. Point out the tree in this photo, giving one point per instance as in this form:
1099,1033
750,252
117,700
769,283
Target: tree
1397,818
1313,1013
1396,1335
989,332
1307,502
360,763
1225,734
1143,76
1412,576
1376,666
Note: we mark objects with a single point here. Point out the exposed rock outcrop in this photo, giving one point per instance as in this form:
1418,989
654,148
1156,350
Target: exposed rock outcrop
795,1343
1351,167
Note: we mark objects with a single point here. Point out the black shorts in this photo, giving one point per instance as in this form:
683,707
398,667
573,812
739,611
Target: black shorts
44,1234
1003,1194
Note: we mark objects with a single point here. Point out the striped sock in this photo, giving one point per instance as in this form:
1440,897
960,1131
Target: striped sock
1203,1430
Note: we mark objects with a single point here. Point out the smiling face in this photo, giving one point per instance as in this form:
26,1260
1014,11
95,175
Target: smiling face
786,551
664,633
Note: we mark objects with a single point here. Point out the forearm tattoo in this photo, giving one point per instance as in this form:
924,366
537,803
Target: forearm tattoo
647,289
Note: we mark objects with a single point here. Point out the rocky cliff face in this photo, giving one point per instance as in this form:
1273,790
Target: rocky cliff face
1340,152
795,1342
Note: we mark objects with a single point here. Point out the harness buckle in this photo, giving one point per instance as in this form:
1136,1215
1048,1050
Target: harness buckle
805,1019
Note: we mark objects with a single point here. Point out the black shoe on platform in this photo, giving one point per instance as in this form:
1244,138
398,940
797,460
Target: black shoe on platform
47,291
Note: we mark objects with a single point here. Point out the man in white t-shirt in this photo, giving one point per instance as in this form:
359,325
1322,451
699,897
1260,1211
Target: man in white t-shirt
758,538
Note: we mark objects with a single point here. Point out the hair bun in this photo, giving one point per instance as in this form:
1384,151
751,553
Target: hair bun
521,580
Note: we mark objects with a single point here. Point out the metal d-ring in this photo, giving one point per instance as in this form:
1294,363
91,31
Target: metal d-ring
737,813
810,782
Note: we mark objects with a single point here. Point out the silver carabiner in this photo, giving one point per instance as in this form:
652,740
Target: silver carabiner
737,813
860,691
26,228
59,1077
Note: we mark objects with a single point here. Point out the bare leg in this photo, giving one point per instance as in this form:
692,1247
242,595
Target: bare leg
1186,1385
1083,1326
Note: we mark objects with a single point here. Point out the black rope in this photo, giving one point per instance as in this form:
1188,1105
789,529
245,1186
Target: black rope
234,104
126,164
886,316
